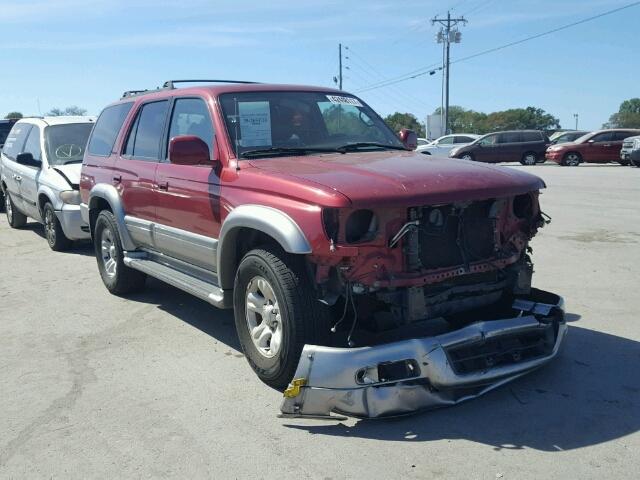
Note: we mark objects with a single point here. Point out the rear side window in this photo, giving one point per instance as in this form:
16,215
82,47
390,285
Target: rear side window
462,139
15,141
531,137
147,131
191,117
106,130
622,135
32,145
509,137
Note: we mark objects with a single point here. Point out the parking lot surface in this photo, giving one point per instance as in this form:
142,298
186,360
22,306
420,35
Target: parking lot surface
155,385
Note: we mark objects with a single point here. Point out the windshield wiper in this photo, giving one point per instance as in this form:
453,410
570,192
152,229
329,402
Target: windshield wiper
287,151
72,161
355,146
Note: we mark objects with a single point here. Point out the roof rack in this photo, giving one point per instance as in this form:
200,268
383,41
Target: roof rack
171,83
133,93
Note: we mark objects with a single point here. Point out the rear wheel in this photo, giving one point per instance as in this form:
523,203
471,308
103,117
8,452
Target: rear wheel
53,232
572,159
276,313
116,276
529,158
15,218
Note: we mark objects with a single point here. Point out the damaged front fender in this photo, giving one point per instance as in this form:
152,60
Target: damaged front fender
424,373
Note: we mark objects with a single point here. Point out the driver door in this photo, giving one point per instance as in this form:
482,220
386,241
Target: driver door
11,176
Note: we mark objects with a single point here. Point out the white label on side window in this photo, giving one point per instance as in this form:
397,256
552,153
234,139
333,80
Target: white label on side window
255,124
337,99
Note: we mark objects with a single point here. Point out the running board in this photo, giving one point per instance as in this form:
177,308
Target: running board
204,290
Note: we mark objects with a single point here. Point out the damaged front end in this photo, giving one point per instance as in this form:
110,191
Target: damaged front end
430,306
424,373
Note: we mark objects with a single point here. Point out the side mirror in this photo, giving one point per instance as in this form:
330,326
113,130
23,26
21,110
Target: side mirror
27,159
409,138
190,150
591,141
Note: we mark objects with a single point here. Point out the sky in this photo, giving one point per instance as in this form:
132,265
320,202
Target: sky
57,53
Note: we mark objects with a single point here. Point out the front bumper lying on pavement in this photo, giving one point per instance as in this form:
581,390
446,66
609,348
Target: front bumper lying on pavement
423,373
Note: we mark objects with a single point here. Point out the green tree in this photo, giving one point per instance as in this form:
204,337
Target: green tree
530,118
12,115
462,120
627,116
397,121
72,110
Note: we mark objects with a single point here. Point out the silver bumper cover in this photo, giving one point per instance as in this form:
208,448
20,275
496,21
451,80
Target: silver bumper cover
72,223
426,373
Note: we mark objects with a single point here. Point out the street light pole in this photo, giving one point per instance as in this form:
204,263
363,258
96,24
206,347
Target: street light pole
575,115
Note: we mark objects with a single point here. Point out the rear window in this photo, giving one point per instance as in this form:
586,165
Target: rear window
5,128
531,136
107,128
14,143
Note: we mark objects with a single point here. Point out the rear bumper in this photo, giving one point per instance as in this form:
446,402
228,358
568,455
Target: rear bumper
72,223
427,373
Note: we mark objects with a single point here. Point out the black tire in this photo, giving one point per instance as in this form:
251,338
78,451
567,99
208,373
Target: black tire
572,159
529,158
57,240
624,163
15,218
301,317
120,279
1,200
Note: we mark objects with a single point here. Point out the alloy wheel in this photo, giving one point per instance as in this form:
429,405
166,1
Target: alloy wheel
530,159
467,157
50,226
572,160
263,317
108,253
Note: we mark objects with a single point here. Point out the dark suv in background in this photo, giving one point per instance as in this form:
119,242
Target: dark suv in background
524,146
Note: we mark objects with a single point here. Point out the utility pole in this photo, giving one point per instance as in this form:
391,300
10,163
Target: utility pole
448,33
575,115
340,66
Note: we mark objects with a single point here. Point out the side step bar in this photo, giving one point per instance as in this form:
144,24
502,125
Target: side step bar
204,290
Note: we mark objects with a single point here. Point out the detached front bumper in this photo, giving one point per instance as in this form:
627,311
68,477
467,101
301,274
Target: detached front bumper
425,373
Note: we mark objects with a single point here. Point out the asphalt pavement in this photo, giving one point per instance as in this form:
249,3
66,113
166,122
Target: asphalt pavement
155,385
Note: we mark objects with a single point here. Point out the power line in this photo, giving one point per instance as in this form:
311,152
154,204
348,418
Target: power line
480,6
429,68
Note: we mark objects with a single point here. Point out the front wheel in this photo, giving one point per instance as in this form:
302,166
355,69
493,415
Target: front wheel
624,163
468,157
572,160
15,218
116,276
57,240
276,313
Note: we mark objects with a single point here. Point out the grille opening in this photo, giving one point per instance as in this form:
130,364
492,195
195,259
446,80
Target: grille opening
523,206
361,226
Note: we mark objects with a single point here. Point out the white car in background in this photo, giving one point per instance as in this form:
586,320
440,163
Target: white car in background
443,145
40,176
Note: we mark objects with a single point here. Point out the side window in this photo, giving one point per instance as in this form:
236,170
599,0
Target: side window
531,137
106,130
32,144
191,117
509,137
620,136
147,131
446,141
462,139
603,137
16,139
489,140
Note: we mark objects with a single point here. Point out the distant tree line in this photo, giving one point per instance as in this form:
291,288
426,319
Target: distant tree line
54,112
627,116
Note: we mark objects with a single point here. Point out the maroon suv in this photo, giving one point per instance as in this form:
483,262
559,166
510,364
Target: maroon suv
601,146
371,280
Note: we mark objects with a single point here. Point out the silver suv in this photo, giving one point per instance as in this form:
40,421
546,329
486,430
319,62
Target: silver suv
39,175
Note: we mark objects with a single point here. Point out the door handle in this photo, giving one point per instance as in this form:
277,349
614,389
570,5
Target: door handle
17,178
607,145
117,178
163,185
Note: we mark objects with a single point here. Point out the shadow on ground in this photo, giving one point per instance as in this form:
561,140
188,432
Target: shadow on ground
216,323
589,395
79,247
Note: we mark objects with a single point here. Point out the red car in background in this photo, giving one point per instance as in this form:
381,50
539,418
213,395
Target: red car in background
601,146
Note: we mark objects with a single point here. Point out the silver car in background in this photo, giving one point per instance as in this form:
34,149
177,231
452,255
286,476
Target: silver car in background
40,176
443,145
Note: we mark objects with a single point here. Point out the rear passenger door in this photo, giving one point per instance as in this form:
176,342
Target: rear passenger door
510,144
188,196
600,148
618,140
135,169
14,145
29,175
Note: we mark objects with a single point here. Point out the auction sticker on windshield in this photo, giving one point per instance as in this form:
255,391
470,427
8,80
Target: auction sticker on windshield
255,123
337,99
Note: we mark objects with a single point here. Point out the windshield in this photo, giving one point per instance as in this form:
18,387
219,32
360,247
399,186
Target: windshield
281,123
66,143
